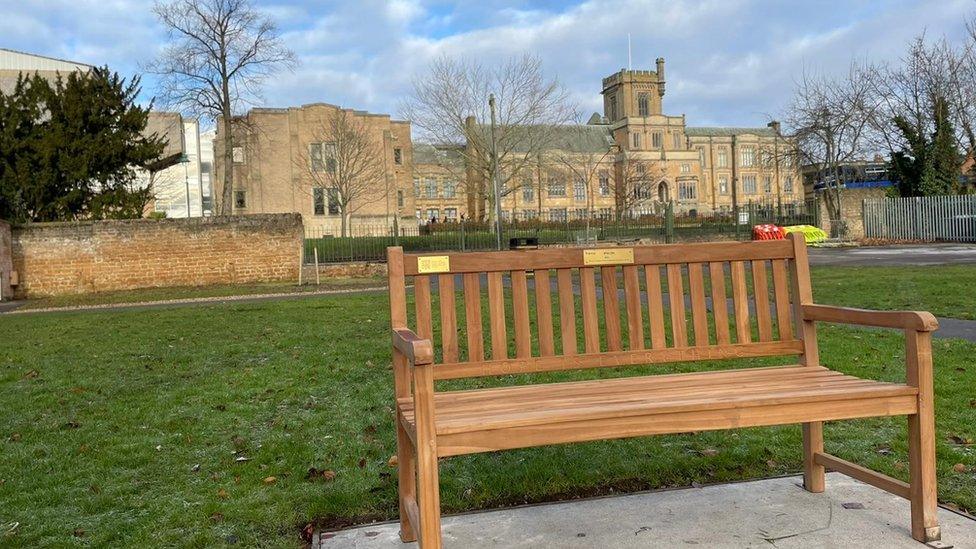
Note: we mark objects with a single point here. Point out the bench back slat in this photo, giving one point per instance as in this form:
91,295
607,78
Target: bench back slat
655,306
632,300
472,317
449,339
687,313
761,296
740,302
676,297
520,305
696,287
496,313
543,312
720,303
591,327
611,307
567,311
781,294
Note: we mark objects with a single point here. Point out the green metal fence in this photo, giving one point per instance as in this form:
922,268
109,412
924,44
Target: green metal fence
369,242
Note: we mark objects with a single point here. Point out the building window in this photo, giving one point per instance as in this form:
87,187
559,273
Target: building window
398,156
450,190
686,168
240,199
748,157
643,104
530,214
528,191
418,213
450,214
641,169
687,190
723,184
430,187
748,184
613,108
579,213
399,199
656,139
557,214
635,140
579,189
432,214
788,185
333,196
318,201
676,140
604,183
416,186
701,157
238,154
606,213
722,160
323,157
557,187
767,184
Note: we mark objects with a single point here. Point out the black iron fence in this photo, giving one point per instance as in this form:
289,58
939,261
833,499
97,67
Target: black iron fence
369,242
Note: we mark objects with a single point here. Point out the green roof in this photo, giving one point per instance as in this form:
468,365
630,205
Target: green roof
426,153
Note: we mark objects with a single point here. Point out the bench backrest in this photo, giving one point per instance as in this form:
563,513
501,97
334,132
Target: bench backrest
636,305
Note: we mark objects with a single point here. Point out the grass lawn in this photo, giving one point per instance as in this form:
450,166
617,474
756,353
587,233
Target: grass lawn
193,292
199,427
946,290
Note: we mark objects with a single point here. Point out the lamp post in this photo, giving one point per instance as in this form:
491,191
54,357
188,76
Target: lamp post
496,190
185,160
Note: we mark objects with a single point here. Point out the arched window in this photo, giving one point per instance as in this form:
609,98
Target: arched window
662,192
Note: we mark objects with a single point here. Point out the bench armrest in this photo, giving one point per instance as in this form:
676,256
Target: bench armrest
905,320
418,351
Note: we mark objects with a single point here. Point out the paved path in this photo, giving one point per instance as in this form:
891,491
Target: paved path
772,513
891,256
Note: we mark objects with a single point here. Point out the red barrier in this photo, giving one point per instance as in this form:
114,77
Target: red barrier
767,231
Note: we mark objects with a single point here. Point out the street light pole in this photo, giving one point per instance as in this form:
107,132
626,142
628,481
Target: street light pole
496,190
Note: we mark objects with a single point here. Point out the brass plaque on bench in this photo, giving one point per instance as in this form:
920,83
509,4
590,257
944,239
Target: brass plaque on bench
433,264
608,256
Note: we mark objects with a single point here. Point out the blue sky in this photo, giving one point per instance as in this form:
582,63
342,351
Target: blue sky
729,62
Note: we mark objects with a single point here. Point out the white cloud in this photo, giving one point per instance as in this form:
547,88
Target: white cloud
728,61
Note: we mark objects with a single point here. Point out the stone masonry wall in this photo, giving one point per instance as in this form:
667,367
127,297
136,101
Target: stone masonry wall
6,262
97,256
851,211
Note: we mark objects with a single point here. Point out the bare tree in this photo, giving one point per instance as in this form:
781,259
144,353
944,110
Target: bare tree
220,53
449,106
832,120
582,151
345,161
637,186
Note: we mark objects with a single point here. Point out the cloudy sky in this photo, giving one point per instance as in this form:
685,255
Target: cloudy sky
729,62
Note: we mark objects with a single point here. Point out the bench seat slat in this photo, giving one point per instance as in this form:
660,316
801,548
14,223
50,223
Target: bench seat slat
720,304
591,326
655,306
674,422
489,409
543,312
472,317
611,307
567,311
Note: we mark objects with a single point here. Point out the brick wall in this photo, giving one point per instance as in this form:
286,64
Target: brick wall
851,212
6,264
97,256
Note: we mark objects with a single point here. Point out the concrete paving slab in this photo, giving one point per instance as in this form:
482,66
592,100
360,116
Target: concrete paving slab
764,513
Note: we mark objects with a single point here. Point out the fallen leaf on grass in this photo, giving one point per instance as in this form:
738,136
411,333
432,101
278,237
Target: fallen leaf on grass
362,463
960,468
242,459
771,463
15,437
222,493
709,452
270,480
972,403
393,461
79,532
961,440
217,517
31,374
314,474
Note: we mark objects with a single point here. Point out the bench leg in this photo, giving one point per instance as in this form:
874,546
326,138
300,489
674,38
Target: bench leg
813,474
921,458
430,496
407,480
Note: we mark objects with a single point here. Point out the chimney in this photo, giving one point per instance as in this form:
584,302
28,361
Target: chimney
660,76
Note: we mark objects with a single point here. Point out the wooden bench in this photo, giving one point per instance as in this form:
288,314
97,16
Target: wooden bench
778,318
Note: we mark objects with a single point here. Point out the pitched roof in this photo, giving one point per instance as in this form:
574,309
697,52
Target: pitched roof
438,154
712,131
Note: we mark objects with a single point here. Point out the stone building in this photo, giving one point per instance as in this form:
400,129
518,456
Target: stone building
283,162
632,160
